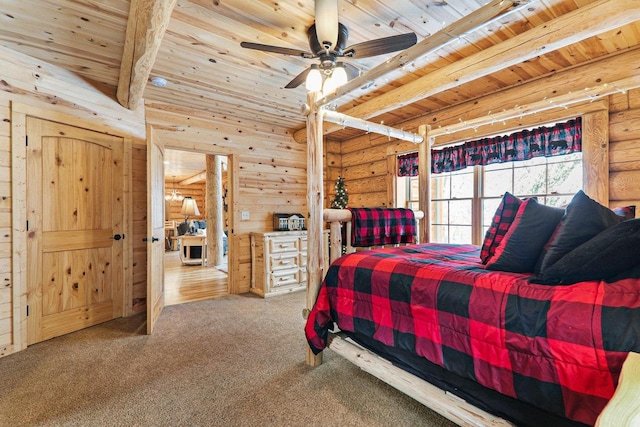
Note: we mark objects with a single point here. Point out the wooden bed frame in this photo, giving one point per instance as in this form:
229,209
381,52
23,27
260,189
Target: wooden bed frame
624,407
622,410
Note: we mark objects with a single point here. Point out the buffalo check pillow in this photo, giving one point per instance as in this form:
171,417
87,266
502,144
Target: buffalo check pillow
502,219
520,248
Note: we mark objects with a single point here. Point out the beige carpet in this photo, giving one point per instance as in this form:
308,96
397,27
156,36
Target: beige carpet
234,361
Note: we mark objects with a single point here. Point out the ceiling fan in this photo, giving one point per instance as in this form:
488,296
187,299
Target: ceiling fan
327,42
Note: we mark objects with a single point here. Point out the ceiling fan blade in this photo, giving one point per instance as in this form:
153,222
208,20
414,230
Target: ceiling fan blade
352,71
298,80
381,46
277,49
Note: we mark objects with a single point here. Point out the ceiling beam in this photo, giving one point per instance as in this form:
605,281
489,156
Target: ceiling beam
472,22
554,92
199,177
575,26
147,23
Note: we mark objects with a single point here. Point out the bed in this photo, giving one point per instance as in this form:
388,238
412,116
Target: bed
529,347
516,345
555,347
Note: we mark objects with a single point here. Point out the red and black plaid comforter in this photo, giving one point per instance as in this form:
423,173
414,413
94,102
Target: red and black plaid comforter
560,348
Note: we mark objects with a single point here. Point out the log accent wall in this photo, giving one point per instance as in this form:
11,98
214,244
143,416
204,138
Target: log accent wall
196,191
624,150
366,162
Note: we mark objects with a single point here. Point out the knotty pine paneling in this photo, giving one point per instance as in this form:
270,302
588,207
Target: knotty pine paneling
361,155
6,285
270,175
56,94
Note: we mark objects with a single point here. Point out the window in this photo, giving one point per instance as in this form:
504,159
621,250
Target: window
408,192
475,192
552,180
452,195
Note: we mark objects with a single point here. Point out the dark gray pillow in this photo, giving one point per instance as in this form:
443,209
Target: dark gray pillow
610,253
584,218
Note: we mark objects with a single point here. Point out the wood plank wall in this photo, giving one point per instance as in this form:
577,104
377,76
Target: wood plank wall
59,95
624,150
271,171
366,162
363,161
270,175
6,287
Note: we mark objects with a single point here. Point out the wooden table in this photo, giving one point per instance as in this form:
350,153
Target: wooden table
187,241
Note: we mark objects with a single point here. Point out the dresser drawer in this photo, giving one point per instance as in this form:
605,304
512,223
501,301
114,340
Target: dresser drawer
283,244
284,278
283,261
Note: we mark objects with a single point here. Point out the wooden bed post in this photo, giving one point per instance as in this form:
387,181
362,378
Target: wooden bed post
424,171
315,204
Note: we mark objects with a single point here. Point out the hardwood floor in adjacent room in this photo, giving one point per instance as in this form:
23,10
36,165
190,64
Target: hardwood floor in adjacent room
187,283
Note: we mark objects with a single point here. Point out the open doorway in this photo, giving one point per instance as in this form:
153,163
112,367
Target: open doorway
192,272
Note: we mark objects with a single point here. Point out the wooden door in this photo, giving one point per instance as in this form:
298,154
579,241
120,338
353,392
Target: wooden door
74,229
155,229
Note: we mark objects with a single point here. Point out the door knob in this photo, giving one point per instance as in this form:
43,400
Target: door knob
153,239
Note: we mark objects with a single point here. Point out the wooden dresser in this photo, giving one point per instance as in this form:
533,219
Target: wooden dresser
279,261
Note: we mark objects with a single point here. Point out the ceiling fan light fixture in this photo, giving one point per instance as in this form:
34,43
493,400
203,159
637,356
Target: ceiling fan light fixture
326,13
329,86
339,75
314,79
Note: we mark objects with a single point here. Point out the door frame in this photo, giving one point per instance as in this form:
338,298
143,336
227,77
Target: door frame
233,169
19,113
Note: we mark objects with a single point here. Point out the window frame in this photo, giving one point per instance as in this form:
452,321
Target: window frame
595,149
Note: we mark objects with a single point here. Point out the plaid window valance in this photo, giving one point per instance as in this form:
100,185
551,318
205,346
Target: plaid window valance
557,140
408,164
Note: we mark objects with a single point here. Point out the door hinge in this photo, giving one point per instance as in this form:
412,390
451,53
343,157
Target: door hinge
27,225
26,140
27,311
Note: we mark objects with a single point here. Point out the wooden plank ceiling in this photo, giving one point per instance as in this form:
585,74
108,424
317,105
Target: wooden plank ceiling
207,70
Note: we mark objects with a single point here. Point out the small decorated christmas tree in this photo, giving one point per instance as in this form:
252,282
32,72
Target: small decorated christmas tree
341,198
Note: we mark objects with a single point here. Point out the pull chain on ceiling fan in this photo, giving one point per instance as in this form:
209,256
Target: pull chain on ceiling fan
327,42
